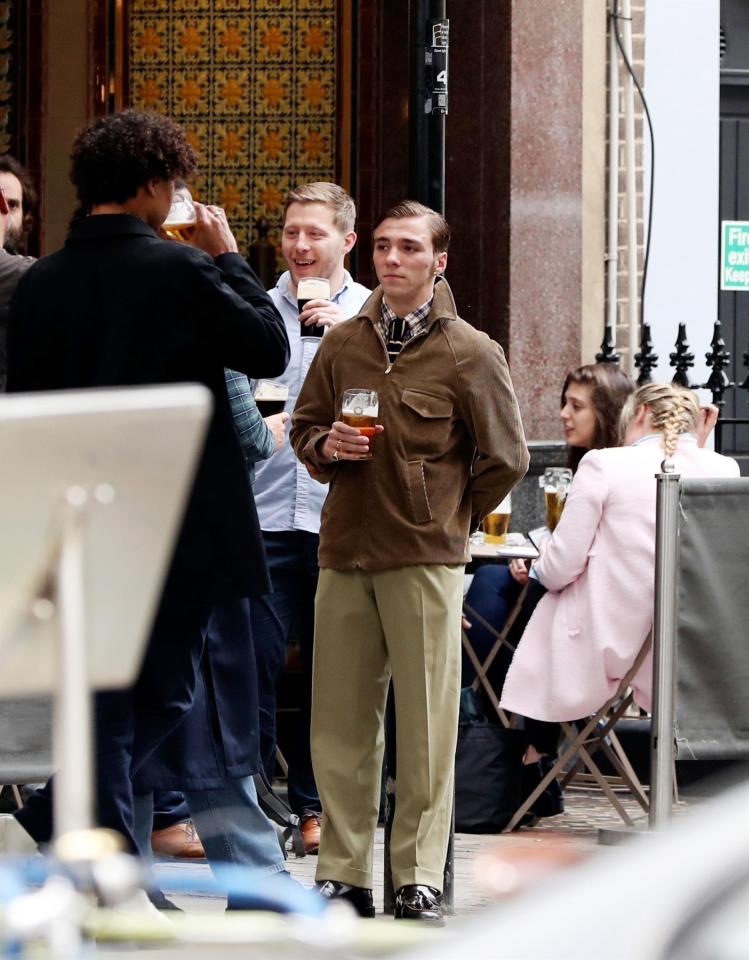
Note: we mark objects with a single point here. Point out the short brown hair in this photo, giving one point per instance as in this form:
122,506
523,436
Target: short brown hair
344,209
438,227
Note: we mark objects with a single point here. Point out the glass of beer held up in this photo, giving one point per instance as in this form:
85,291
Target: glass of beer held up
497,523
556,483
270,397
312,288
181,222
359,408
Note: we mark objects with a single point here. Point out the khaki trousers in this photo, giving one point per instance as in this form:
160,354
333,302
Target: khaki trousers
406,621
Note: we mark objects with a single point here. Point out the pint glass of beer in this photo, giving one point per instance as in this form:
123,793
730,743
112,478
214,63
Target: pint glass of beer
359,409
270,397
312,288
556,484
181,223
497,523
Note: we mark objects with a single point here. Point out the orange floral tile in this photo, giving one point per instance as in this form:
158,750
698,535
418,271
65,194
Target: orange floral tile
230,196
190,93
232,39
315,41
231,144
315,145
274,147
150,90
150,42
232,91
316,93
191,41
273,91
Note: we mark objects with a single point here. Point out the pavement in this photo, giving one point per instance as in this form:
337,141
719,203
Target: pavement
487,867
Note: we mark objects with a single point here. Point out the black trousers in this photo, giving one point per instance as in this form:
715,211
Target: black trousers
130,724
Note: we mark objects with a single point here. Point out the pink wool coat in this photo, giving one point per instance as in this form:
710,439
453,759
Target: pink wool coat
599,569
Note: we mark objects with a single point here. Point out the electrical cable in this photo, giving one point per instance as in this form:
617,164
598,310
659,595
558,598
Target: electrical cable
615,17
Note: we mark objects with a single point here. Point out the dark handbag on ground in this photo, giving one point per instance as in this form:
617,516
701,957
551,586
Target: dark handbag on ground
488,771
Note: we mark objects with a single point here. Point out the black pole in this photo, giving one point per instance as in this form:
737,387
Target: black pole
428,102
427,111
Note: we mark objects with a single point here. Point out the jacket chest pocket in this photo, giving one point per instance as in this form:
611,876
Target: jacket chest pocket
427,421
426,430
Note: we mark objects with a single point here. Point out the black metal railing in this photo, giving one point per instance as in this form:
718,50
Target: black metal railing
718,358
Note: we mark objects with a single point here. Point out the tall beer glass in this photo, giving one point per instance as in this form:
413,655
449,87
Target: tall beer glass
556,484
312,288
359,408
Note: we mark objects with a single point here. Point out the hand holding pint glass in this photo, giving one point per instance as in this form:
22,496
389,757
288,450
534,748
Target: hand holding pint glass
359,408
181,221
556,483
311,288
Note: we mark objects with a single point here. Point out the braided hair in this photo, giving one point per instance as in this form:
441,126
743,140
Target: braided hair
673,411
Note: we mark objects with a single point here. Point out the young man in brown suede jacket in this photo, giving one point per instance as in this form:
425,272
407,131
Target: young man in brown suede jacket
393,546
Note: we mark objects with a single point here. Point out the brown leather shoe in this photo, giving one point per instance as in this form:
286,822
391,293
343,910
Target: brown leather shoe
310,827
180,840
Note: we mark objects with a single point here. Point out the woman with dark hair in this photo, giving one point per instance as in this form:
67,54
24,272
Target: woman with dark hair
590,624
592,399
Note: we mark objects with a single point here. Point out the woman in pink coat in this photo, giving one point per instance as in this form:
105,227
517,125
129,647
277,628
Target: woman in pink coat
598,567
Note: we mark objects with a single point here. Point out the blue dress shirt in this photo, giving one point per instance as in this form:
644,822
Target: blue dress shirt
287,497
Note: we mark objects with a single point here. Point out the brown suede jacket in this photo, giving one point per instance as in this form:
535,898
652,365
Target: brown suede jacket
453,444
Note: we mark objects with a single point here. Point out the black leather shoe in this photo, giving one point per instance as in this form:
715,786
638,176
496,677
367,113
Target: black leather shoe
359,897
417,902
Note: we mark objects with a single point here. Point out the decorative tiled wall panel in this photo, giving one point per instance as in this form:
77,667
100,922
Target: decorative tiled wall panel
253,83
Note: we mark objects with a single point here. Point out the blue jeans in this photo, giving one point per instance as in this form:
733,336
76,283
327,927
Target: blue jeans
292,561
230,824
493,594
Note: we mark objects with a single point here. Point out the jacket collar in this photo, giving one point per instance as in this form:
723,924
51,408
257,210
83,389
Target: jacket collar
443,305
109,225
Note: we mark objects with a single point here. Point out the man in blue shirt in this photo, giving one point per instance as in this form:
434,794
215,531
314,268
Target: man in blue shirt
318,232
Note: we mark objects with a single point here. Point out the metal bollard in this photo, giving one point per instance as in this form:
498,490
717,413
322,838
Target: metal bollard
664,646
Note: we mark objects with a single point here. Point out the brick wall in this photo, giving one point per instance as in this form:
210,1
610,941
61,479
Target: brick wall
638,62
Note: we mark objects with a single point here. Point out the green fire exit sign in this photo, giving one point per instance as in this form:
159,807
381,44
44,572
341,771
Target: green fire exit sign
734,255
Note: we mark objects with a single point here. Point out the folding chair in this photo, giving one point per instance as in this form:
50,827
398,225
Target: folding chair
581,744
500,640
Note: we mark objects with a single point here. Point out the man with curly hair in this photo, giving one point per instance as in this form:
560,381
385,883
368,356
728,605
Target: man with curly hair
119,306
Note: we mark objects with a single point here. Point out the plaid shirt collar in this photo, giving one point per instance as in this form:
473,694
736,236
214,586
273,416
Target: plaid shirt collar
416,322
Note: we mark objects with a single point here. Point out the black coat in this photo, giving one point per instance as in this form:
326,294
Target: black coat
119,306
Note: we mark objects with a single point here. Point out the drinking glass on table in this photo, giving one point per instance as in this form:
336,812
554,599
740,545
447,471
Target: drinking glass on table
497,523
181,222
359,408
312,288
556,483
